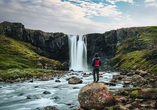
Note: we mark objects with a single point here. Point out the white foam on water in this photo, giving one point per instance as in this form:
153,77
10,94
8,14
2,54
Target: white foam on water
43,102
65,92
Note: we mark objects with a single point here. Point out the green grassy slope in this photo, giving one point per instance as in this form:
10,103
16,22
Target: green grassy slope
15,54
140,50
18,59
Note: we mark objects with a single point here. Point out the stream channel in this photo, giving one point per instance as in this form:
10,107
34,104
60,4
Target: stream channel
63,96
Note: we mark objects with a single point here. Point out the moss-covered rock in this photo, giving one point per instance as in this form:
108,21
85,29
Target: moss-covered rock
134,94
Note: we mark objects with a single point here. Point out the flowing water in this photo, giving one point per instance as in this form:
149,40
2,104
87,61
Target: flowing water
78,52
63,95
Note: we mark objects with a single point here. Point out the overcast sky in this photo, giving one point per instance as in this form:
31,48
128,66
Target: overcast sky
79,16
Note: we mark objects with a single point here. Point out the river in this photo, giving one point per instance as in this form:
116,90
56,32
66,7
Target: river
63,96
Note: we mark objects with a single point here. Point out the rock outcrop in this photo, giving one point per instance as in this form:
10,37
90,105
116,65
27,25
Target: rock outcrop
95,95
106,44
50,45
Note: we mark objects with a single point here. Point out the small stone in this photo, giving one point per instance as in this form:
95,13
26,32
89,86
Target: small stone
57,81
51,78
36,86
75,87
32,97
46,92
56,97
127,82
20,94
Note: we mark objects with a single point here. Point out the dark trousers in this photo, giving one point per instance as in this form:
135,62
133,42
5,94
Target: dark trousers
96,71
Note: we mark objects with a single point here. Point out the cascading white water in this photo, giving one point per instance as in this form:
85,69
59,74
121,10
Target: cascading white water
78,52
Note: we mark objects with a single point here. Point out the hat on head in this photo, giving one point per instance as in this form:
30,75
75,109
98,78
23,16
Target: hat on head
96,55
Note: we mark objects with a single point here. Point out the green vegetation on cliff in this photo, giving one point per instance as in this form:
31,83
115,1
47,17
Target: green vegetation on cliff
18,58
15,54
140,50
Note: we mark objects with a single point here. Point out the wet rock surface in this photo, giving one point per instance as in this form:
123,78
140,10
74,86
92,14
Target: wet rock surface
95,95
75,80
46,92
51,108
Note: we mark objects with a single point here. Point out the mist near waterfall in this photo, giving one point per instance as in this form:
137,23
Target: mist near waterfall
78,52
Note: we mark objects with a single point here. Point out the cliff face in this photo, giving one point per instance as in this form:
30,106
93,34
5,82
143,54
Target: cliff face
51,45
116,48
106,44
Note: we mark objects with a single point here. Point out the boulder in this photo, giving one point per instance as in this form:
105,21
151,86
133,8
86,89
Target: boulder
75,80
126,79
130,73
121,99
119,77
143,73
95,95
137,79
127,82
51,108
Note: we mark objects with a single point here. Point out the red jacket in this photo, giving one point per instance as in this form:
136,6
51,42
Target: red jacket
96,62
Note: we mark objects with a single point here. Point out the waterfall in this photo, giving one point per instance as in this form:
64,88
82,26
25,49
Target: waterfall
78,52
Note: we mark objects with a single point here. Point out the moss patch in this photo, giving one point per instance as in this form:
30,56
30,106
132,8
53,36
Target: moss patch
135,94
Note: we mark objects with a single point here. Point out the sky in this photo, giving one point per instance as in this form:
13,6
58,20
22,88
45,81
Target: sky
79,16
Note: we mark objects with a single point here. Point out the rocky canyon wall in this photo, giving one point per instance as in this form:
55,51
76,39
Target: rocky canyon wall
55,45
106,44
51,45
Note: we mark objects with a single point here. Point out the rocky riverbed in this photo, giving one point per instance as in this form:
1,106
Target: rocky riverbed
61,90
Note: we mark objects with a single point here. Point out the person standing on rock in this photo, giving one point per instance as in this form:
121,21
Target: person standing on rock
96,63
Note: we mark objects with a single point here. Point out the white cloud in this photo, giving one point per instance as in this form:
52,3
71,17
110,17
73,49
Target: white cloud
113,1
151,4
58,16
109,11
54,15
149,1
